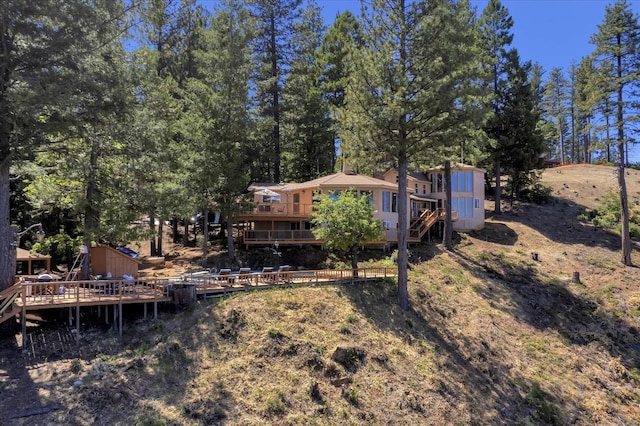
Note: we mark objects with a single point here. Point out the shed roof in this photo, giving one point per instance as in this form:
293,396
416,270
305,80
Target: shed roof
23,255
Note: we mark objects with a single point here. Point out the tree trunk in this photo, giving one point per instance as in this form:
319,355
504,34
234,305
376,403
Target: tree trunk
447,241
230,244
205,239
7,232
354,260
174,230
160,235
91,213
403,292
185,238
498,190
152,232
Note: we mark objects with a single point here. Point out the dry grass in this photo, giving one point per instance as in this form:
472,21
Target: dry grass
492,337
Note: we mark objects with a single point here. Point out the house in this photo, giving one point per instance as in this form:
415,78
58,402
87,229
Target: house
280,212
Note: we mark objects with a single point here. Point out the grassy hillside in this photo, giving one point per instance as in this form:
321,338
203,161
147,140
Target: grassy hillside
492,337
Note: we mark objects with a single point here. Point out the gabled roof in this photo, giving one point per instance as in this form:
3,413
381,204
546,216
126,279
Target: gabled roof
458,166
342,180
338,180
410,175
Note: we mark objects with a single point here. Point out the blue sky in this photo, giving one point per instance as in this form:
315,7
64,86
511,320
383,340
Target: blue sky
554,33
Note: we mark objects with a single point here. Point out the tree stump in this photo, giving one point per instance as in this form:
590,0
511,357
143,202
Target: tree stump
184,294
576,277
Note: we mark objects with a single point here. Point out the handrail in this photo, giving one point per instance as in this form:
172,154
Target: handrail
8,297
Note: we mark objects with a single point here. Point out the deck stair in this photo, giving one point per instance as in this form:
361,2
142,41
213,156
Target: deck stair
8,308
421,225
72,275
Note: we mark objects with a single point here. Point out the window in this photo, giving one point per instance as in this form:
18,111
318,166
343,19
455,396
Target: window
476,203
368,194
334,194
386,224
424,189
462,181
463,205
389,201
416,188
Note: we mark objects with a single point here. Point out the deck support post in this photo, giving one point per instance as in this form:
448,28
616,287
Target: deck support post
145,310
155,310
23,321
77,322
120,319
115,316
99,311
70,317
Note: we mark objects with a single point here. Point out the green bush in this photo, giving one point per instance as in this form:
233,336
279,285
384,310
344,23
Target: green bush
537,193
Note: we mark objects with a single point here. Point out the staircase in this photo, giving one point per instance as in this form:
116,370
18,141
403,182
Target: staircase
427,219
8,308
72,275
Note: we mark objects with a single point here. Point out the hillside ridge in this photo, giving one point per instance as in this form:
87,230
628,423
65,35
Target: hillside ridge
494,335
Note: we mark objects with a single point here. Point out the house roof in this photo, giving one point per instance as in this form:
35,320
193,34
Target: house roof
410,175
338,180
458,166
23,255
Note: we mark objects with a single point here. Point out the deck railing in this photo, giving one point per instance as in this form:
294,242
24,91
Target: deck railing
205,281
98,291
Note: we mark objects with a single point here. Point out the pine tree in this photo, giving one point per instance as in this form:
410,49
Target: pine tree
618,43
37,78
555,95
275,20
332,57
220,113
307,140
409,99
495,26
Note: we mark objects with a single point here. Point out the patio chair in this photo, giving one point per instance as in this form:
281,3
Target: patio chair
267,275
244,276
284,274
224,278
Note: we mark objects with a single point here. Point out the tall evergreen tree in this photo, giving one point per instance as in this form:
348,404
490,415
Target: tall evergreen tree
495,26
332,57
617,43
410,100
521,140
307,140
219,111
38,57
275,21
555,95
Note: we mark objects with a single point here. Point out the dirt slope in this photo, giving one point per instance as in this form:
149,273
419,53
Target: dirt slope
492,337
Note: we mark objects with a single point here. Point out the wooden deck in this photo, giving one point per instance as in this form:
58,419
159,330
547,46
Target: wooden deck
24,297
213,285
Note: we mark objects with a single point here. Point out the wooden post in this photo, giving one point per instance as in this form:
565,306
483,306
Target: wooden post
77,322
23,320
145,310
115,316
70,317
155,310
120,319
